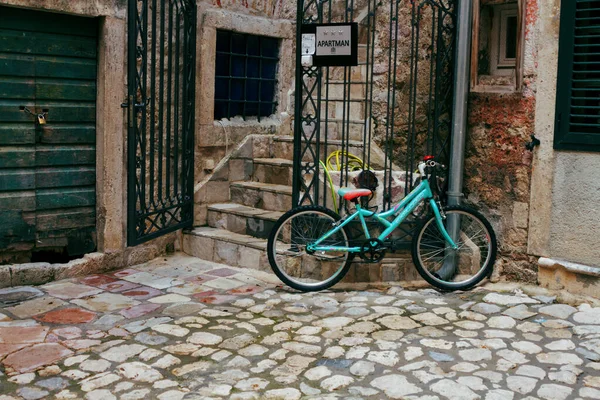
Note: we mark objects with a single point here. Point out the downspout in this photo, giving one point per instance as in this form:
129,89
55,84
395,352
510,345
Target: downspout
462,66
460,108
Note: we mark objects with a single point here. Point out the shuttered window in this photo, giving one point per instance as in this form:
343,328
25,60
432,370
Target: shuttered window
578,87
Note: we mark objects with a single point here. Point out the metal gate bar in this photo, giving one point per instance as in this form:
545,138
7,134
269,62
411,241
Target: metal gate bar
161,86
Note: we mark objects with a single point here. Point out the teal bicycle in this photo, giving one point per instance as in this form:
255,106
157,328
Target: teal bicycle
453,248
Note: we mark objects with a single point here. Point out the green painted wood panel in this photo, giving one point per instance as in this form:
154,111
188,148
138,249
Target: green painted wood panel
48,199
46,44
64,177
65,155
17,88
16,133
65,219
17,157
47,173
24,201
27,20
47,67
59,133
17,179
54,89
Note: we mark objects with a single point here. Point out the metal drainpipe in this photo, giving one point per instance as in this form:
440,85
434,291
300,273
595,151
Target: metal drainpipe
459,130
460,107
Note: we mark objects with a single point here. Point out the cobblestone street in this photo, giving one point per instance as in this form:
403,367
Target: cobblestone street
181,328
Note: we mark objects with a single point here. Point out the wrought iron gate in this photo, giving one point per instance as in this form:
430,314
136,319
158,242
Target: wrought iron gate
398,99
162,52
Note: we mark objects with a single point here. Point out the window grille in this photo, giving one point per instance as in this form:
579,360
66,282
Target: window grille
245,75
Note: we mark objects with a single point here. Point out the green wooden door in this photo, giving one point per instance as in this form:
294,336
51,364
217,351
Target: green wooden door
47,172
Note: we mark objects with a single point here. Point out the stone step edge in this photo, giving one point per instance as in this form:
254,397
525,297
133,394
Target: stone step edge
331,142
228,236
277,162
249,212
264,187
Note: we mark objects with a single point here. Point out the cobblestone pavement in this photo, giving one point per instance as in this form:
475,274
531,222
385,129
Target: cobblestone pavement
180,328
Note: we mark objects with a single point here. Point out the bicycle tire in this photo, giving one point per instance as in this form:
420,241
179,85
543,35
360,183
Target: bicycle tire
436,248
273,255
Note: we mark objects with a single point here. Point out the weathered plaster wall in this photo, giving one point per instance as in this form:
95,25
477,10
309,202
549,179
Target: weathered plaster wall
575,226
565,185
497,166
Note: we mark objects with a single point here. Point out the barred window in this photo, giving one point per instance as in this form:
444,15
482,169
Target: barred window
245,75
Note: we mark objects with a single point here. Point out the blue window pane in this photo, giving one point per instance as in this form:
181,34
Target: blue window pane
222,89
269,69
223,40
253,67
270,47
238,44
238,66
222,65
267,91
254,45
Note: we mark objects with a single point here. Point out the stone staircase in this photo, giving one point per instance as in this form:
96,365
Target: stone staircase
247,193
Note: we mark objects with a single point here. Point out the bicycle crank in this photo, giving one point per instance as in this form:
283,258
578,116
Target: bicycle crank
372,251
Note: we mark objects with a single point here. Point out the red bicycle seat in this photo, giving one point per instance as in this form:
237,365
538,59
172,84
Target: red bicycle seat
351,194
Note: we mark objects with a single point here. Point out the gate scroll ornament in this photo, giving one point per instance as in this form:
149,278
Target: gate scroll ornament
399,97
161,87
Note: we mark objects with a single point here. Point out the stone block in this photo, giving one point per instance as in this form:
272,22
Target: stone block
221,174
247,197
263,264
283,150
200,214
276,201
217,220
240,169
521,215
226,253
374,272
199,246
250,258
261,147
200,195
31,274
236,223
217,192
279,175
4,276
390,273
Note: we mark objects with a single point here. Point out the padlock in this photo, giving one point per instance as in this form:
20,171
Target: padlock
41,119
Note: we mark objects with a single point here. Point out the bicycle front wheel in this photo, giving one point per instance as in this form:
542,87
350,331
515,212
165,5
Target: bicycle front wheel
297,266
460,269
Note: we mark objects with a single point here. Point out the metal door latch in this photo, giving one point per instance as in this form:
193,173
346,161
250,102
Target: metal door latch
39,118
534,142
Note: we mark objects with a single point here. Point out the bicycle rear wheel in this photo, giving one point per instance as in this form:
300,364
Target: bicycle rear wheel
460,269
293,264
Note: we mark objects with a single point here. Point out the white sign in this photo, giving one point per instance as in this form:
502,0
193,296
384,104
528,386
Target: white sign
309,44
334,40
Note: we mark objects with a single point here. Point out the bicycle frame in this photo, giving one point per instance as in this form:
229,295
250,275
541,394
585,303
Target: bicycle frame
407,205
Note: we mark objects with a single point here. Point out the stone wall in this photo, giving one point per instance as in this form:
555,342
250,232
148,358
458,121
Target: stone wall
497,165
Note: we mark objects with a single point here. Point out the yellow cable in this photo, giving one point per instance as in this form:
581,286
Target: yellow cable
330,185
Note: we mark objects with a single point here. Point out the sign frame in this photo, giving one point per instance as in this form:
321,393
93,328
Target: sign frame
334,60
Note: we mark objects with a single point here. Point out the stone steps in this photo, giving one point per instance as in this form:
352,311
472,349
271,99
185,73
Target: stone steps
226,247
266,196
241,219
